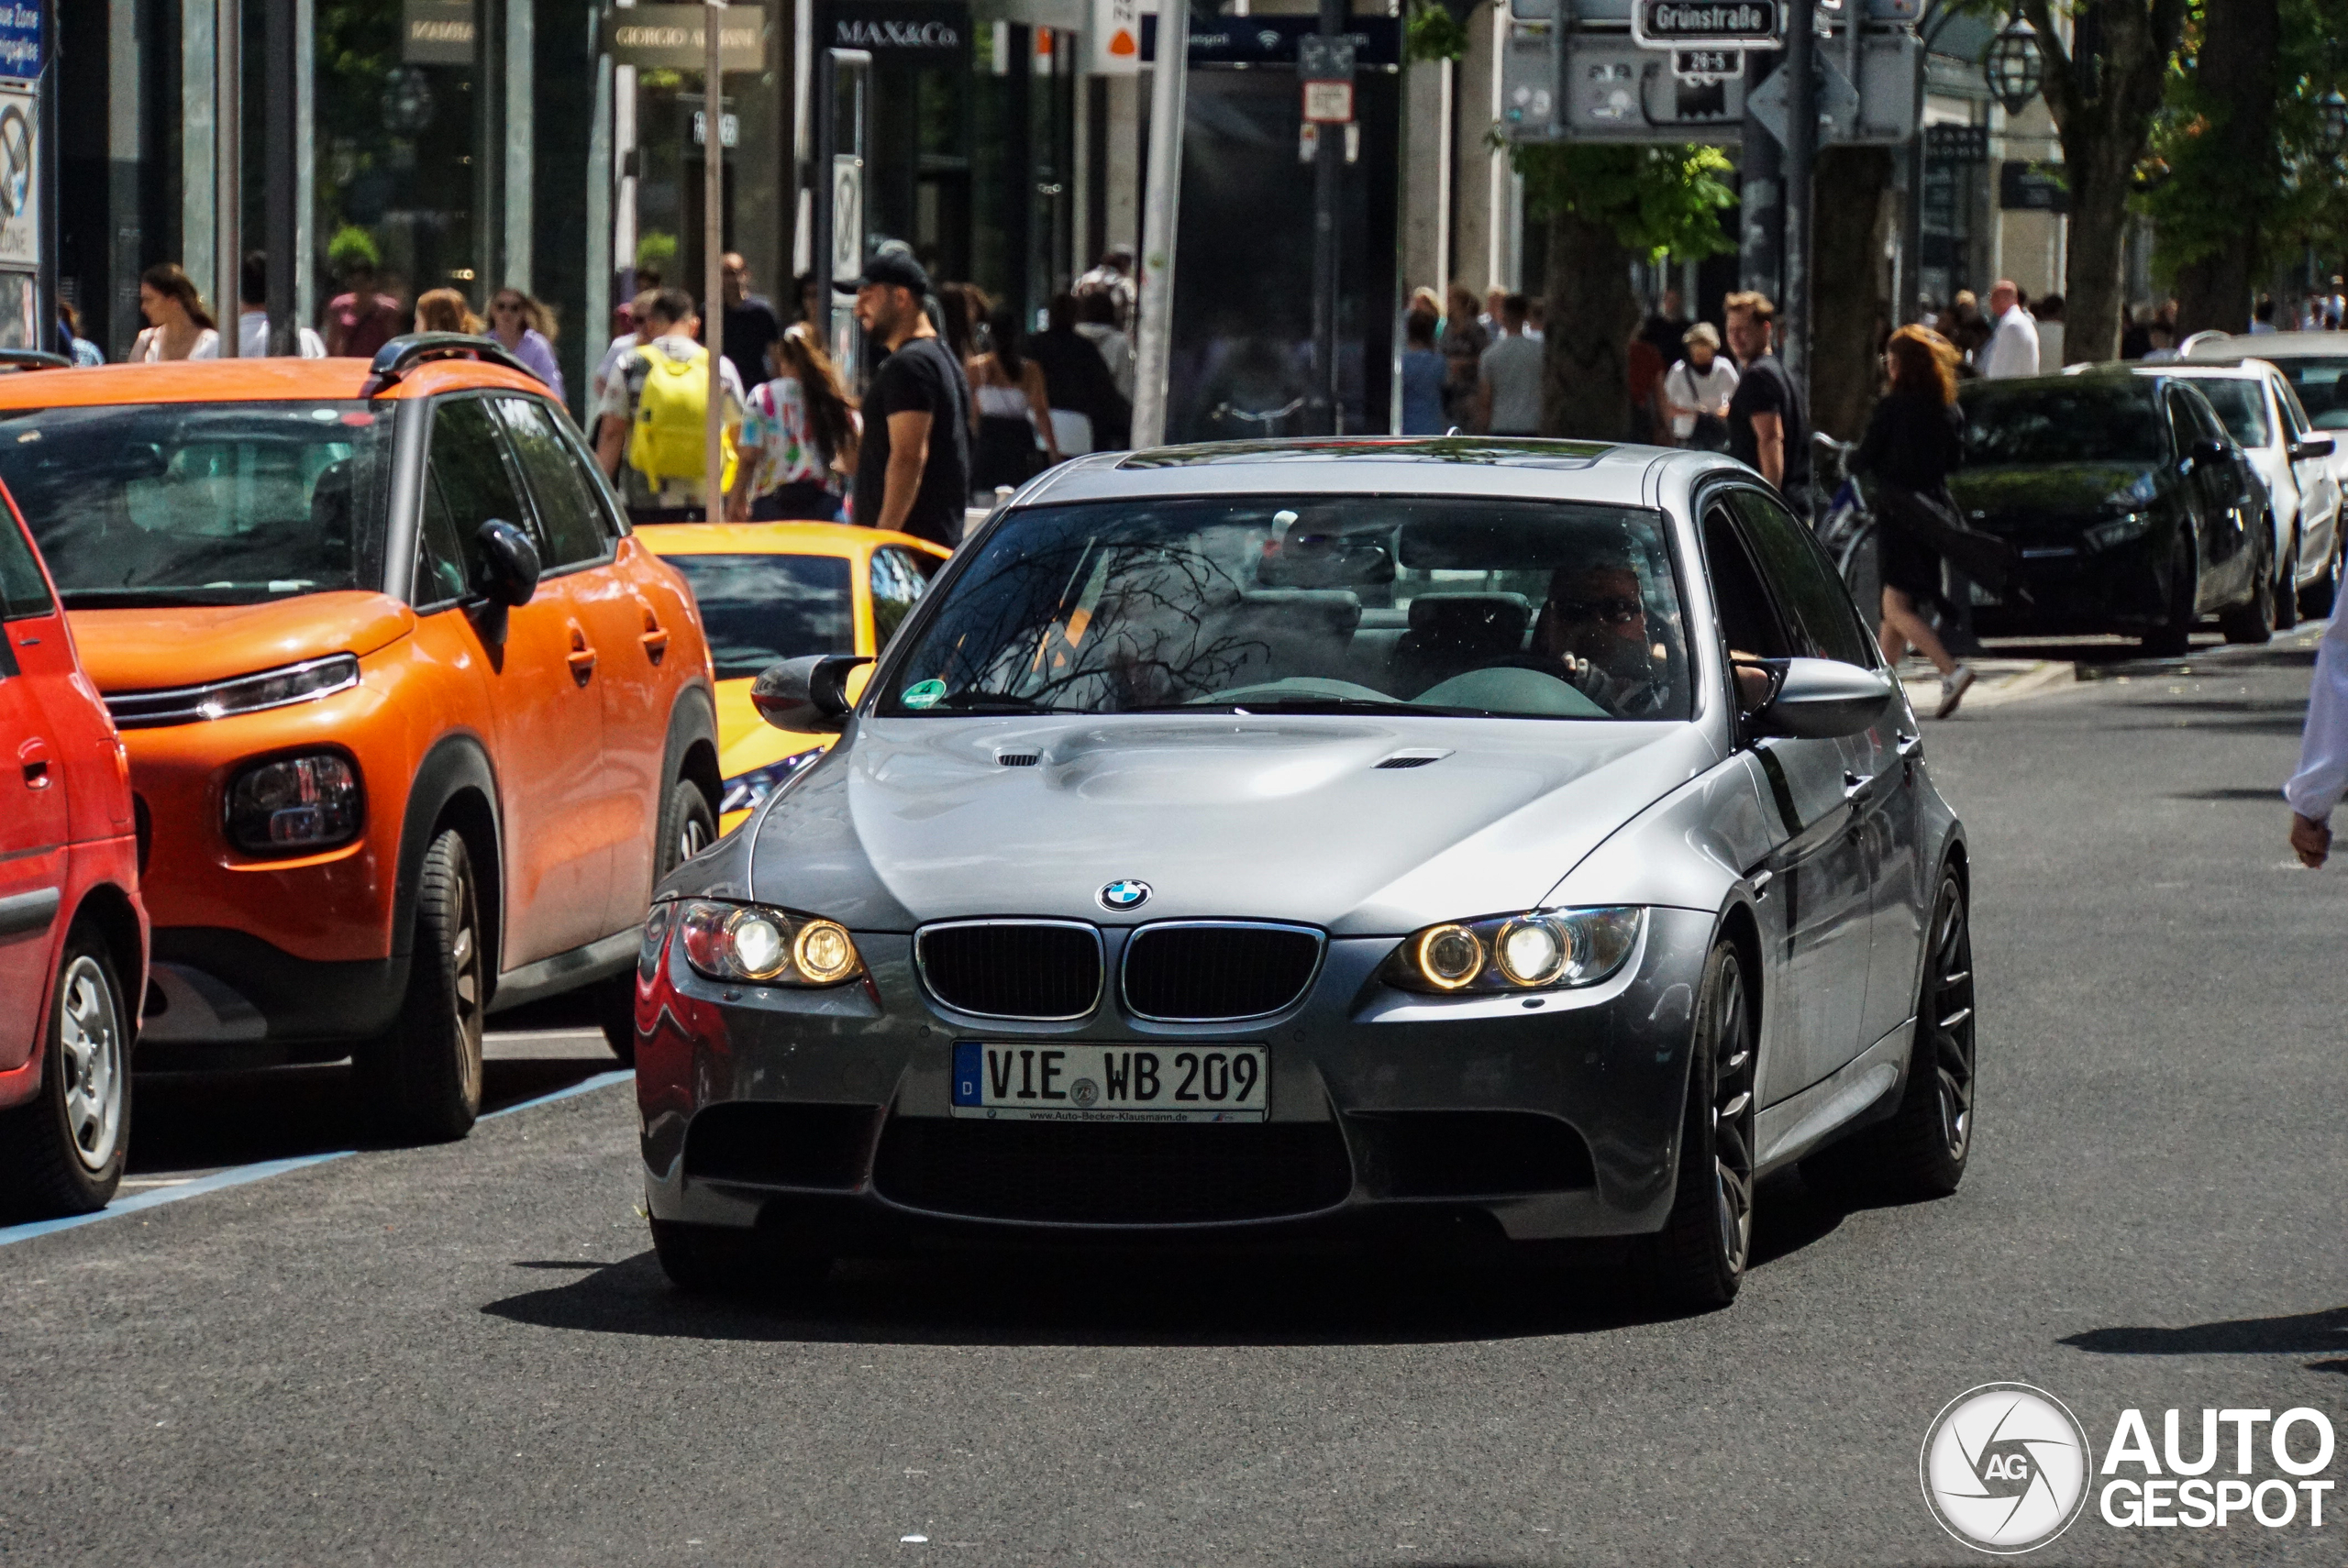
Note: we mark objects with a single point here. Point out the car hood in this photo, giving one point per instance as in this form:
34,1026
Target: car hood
2065,489
172,646
916,819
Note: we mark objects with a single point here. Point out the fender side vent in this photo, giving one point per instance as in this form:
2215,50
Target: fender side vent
1413,759
1018,758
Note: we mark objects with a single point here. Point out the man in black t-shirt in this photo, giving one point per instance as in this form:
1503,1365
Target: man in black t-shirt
1769,422
750,325
912,473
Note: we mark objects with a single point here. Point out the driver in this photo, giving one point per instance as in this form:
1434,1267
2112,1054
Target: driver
1594,625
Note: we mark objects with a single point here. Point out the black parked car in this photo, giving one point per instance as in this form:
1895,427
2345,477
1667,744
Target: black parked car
2131,507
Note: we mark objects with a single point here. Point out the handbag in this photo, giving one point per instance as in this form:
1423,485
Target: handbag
1935,520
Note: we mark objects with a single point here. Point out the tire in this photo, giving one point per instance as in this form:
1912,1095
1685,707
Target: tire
2253,620
713,1260
687,827
423,1077
63,1152
2316,598
2173,636
1922,1150
1697,1261
2287,593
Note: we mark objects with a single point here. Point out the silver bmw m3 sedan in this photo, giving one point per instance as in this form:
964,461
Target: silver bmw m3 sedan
1250,840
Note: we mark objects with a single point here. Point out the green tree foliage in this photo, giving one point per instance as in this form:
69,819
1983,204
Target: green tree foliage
1432,30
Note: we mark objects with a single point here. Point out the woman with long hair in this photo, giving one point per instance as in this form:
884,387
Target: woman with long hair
1914,439
798,437
446,310
1011,408
525,329
179,324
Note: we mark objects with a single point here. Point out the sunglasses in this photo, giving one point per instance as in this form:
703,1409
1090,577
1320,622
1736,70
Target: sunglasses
1610,612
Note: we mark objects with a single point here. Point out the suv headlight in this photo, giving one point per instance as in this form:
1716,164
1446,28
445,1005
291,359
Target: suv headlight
766,946
2125,528
295,805
1539,950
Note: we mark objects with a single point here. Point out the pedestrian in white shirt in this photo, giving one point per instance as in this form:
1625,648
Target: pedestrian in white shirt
2315,789
1696,391
252,316
2012,348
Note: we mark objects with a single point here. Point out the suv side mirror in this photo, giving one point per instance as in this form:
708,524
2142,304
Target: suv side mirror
2312,447
806,693
1823,699
509,564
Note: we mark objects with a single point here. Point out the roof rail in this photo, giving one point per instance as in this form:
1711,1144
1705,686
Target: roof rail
394,360
33,359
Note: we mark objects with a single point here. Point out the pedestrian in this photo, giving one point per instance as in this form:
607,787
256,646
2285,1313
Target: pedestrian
652,430
70,341
1536,319
2261,316
1696,391
446,310
1116,274
2161,338
1643,379
1422,373
1077,380
1463,342
1494,318
798,437
1667,326
2049,311
1508,387
252,314
2315,789
524,329
751,324
963,311
1913,439
623,345
913,469
1768,421
1011,409
179,324
2012,348
1096,321
361,319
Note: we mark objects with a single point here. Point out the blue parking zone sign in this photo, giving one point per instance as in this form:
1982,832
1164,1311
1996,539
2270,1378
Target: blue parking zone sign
23,42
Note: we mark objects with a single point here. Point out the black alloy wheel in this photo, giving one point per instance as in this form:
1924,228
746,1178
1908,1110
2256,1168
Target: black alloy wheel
2174,636
687,827
1698,1260
2253,620
1922,1150
2286,589
423,1077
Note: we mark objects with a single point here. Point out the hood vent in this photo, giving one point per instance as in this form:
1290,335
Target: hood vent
1018,758
1413,759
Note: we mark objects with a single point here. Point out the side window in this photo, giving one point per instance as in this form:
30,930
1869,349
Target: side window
2181,425
23,593
469,471
1813,596
446,566
897,584
568,515
1749,625
2295,416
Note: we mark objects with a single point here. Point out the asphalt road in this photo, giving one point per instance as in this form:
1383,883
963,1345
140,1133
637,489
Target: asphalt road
466,1354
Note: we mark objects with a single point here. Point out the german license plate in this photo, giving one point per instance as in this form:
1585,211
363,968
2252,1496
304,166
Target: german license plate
1110,1083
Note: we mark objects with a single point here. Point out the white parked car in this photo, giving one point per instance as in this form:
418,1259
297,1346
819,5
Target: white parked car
2314,364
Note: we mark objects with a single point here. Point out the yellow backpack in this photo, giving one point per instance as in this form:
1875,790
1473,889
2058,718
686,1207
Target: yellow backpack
671,415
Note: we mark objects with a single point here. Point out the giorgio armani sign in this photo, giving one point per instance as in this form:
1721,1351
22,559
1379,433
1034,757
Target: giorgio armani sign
896,26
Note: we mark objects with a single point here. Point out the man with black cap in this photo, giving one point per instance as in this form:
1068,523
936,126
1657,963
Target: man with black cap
912,473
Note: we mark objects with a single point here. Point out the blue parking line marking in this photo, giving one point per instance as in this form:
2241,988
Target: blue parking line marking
219,1180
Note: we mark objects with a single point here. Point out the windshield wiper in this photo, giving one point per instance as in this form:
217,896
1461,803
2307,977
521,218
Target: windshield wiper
994,702
141,598
1299,705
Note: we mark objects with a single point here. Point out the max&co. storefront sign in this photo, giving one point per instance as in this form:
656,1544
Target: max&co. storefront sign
898,27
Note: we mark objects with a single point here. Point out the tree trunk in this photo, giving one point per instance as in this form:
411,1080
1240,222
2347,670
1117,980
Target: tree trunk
2095,291
1585,371
1851,308
2235,76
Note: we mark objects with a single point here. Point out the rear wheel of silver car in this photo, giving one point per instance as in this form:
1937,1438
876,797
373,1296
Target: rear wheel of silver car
1698,1258
423,1077
63,1151
717,1260
2253,620
687,827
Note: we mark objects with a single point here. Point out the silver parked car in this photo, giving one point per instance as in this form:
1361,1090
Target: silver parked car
1259,836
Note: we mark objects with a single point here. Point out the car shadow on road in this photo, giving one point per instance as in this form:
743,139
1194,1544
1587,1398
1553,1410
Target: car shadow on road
2302,1333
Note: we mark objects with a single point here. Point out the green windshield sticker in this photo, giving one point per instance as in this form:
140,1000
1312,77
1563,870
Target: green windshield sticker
924,694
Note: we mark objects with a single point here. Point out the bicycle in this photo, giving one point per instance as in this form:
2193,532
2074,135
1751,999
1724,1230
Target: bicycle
1848,526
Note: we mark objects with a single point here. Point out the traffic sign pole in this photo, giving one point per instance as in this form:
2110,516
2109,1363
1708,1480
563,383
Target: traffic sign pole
1801,159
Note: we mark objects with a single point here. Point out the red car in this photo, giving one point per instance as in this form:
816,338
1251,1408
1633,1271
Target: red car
72,933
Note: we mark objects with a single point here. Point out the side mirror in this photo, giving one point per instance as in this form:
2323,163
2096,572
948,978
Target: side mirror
806,693
509,564
1824,698
2312,447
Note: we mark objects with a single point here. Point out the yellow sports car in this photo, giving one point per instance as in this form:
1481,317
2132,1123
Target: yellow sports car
775,591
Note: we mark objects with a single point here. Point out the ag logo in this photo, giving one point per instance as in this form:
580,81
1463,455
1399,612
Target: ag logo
1125,894
2005,1468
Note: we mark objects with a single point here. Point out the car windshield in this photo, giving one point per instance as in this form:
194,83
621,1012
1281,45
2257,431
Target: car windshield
2322,386
756,610
201,503
2070,421
2241,405
1527,609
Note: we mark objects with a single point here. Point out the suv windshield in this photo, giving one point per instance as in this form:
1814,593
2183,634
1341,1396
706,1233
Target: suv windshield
201,503
2322,386
1330,603
757,609
2070,421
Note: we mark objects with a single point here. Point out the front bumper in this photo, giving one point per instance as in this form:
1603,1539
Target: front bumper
825,1113
2073,587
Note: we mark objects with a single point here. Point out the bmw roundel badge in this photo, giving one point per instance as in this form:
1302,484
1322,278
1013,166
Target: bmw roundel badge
1125,894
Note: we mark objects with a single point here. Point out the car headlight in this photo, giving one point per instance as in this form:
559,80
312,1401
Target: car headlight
276,688
2125,528
1539,950
294,805
746,790
766,946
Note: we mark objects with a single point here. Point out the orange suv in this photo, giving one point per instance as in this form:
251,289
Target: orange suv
414,723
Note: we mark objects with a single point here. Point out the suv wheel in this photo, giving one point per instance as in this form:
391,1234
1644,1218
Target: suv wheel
687,827
424,1076
1698,1260
62,1153
2253,620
